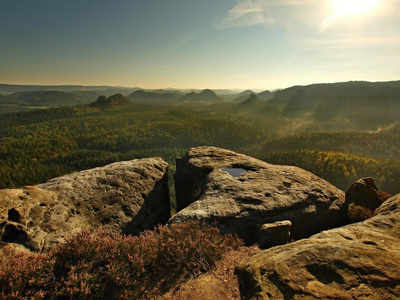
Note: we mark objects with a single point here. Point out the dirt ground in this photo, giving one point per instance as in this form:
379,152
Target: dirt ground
220,283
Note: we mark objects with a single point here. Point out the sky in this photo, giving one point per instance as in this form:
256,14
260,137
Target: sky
236,44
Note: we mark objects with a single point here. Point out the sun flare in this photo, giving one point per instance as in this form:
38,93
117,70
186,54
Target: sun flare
353,7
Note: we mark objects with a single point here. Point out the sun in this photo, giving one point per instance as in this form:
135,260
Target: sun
353,7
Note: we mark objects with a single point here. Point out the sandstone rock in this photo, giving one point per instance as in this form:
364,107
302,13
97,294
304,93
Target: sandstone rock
273,234
35,218
358,261
363,192
126,197
261,193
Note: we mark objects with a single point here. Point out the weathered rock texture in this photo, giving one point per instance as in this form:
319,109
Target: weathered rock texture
126,197
273,234
263,193
358,261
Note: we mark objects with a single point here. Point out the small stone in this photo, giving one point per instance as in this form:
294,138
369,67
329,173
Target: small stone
273,234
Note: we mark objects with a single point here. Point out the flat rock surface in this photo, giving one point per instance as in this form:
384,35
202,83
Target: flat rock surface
358,261
242,193
128,197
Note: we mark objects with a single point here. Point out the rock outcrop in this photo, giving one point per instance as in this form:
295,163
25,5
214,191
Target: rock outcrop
255,194
112,101
126,197
358,261
206,95
363,192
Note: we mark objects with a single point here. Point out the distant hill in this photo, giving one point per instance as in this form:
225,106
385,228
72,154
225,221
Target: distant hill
87,96
116,100
4,99
256,107
265,95
243,96
23,101
159,97
47,98
359,102
106,90
205,96
355,105
251,102
217,91
119,90
10,104
250,105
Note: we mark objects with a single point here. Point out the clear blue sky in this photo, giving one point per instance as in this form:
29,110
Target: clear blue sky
197,44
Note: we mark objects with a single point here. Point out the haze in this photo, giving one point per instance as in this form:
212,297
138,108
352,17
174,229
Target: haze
197,44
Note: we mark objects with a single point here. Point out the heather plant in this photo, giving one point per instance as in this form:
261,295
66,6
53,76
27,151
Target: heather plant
358,213
24,274
383,196
105,265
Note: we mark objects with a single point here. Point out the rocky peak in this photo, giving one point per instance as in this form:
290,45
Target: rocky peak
205,95
114,100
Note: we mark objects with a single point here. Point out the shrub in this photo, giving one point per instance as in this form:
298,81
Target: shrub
383,196
105,265
24,274
358,213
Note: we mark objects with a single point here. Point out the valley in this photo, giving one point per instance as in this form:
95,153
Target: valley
340,132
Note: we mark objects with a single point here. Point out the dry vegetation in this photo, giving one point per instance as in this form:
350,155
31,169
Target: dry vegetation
113,266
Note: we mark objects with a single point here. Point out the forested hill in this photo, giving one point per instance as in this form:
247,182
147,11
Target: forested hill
356,89
48,98
359,101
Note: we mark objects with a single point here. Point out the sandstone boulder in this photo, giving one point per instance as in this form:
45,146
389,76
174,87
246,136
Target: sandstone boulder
273,234
126,197
358,261
242,193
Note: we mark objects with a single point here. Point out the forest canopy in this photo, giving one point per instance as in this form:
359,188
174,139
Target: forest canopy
38,145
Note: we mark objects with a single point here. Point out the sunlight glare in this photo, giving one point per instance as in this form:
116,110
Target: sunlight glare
353,7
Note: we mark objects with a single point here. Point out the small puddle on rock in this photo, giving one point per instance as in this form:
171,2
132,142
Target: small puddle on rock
234,172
